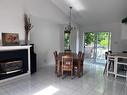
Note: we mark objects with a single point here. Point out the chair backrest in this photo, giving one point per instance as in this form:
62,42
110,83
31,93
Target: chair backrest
79,54
67,51
55,55
107,53
83,55
67,61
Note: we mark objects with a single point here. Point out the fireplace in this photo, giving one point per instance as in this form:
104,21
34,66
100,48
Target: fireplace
13,63
11,66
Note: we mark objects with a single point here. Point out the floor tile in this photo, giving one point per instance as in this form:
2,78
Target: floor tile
93,82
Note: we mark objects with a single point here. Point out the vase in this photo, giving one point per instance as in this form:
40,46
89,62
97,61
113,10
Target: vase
26,38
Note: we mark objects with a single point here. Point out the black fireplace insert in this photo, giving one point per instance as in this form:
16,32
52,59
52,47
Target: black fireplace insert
13,63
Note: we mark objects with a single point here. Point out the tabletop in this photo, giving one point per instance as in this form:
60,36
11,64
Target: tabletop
74,55
118,54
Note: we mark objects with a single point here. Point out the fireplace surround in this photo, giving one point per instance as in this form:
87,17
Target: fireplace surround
14,62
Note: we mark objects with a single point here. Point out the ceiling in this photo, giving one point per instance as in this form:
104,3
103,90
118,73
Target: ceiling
96,11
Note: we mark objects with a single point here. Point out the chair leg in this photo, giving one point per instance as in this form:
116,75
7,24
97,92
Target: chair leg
56,68
71,74
105,68
62,75
82,69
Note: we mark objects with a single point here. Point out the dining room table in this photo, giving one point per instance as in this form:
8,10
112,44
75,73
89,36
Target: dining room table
76,61
119,58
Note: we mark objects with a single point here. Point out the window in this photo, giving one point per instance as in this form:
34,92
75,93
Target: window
67,40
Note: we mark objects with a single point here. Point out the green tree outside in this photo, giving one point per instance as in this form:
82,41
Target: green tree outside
102,38
89,37
67,40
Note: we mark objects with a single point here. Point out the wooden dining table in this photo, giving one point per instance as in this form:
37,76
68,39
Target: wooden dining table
75,62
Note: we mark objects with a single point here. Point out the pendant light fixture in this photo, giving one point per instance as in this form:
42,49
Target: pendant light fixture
68,28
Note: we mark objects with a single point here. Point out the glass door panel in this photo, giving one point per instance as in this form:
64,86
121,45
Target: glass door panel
89,46
102,43
96,44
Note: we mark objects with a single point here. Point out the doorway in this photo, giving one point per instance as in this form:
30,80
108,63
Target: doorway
95,46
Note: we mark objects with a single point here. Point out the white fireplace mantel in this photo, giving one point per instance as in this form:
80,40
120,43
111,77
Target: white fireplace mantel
5,48
9,48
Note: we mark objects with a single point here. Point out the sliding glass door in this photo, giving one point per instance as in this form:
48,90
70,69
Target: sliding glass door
96,44
89,47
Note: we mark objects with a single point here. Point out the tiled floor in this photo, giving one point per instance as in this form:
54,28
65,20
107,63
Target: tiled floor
45,82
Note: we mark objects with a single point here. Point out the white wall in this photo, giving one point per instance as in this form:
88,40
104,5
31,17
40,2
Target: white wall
46,37
11,17
45,9
117,44
124,36
47,20
73,40
12,11
124,31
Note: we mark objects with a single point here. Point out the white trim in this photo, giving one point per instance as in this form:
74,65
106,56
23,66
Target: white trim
4,48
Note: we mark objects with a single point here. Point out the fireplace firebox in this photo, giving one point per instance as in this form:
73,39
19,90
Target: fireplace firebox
13,63
7,67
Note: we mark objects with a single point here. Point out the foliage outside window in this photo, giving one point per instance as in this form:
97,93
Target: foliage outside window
67,40
89,38
102,38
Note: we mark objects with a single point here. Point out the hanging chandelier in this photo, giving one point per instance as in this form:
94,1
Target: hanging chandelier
68,28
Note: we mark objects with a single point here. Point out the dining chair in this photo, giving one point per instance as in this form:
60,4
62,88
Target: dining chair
67,65
110,61
79,54
56,60
82,63
67,51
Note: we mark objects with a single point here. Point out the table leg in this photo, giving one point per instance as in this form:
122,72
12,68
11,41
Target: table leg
58,69
115,66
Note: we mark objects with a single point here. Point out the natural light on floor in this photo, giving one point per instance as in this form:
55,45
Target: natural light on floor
50,90
76,4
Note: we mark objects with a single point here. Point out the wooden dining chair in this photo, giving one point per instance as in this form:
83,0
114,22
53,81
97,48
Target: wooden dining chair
78,65
67,65
82,63
56,60
67,51
79,54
